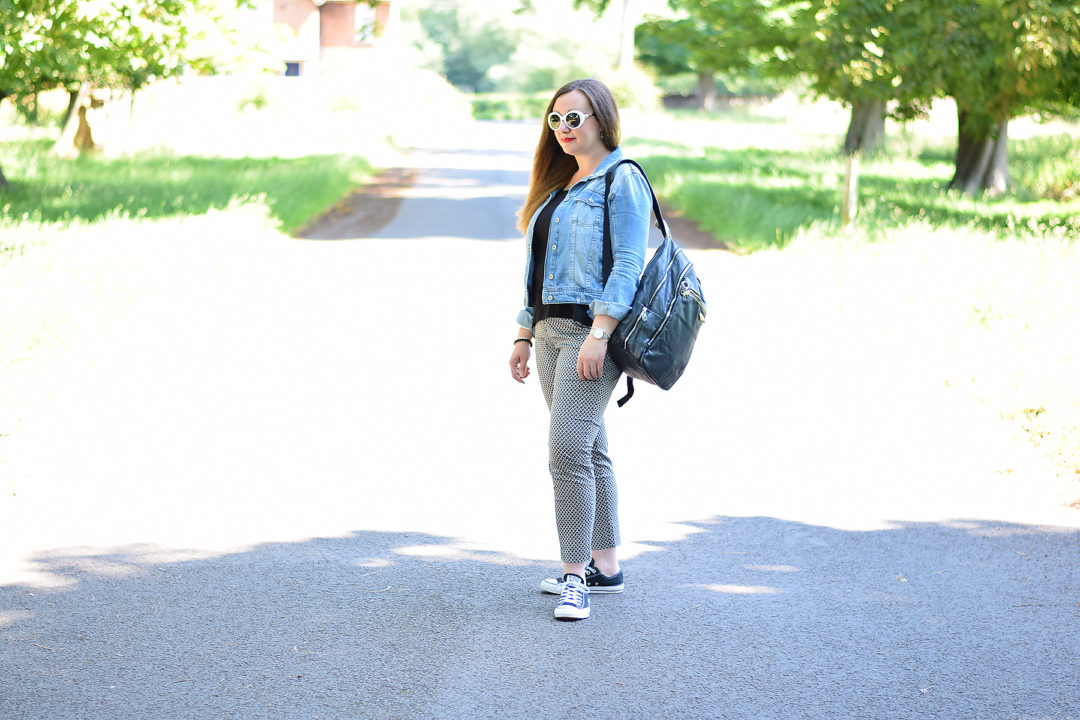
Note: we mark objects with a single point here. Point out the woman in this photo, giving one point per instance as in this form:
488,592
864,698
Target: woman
570,312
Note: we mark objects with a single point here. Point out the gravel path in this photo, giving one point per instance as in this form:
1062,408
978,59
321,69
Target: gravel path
294,480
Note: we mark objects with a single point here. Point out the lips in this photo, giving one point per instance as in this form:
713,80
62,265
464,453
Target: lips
567,139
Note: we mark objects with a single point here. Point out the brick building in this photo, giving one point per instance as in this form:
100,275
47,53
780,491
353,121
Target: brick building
329,37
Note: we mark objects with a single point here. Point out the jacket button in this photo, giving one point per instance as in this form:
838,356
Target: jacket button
556,219
551,277
551,297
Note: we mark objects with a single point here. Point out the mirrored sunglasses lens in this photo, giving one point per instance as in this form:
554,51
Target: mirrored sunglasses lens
554,120
574,120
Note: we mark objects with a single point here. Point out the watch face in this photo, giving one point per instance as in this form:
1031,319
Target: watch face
598,333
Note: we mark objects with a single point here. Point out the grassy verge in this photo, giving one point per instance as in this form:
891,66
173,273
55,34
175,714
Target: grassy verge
983,290
48,189
509,106
758,197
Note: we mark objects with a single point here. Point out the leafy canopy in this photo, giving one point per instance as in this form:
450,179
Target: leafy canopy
108,43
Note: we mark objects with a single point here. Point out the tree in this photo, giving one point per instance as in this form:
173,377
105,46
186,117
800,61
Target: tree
471,45
853,51
729,37
45,44
998,59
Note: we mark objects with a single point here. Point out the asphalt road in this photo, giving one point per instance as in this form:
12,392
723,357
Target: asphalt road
296,481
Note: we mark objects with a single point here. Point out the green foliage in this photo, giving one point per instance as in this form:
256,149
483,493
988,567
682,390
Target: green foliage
755,198
510,45
62,43
39,43
711,37
661,48
45,188
1009,57
997,58
28,110
853,50
597,6
1048,167
471,45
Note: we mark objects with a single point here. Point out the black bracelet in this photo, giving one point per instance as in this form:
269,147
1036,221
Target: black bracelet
528,340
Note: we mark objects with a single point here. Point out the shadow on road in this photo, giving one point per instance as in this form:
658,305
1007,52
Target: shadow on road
747,617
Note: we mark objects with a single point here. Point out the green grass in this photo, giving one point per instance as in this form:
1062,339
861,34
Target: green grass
48,189
984,288
509,106
757,197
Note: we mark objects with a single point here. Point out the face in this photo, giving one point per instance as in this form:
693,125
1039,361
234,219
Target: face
585,139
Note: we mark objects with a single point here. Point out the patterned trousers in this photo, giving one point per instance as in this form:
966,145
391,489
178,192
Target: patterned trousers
586,499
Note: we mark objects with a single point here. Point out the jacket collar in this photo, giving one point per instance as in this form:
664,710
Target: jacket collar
606,164
602,170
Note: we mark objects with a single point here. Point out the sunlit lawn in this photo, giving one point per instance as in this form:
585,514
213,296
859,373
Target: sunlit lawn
763,181
985,291
47,189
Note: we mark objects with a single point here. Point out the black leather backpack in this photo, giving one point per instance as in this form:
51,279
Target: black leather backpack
654,341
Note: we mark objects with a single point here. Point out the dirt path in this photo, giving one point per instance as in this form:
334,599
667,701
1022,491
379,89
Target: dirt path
367,211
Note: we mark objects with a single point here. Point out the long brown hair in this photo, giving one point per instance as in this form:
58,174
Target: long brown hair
553,168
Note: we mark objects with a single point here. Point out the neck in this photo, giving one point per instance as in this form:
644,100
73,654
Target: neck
589,163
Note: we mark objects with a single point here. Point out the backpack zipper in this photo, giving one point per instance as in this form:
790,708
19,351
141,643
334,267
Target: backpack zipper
671,305
689,292
645,310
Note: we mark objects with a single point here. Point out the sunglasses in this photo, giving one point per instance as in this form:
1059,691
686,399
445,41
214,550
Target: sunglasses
573,119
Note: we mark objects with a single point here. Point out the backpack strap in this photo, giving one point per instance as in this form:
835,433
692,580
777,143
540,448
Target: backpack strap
607,260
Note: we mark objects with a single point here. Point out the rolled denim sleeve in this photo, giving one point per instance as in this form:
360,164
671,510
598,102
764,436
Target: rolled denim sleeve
525,318
629,209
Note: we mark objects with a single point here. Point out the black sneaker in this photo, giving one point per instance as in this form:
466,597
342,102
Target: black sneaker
574,599
594,580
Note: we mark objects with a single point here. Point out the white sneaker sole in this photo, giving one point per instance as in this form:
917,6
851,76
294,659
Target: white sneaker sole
565,612
554,587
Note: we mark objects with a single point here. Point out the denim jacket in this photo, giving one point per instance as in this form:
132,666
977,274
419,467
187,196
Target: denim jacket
576,243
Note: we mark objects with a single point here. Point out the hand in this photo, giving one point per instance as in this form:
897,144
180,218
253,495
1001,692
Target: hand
519,361
590,359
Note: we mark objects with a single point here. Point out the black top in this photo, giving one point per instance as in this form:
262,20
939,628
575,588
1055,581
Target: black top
541,233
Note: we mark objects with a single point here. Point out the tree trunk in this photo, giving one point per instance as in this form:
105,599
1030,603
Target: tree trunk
982,158
706,91
73,99
866,129
65,144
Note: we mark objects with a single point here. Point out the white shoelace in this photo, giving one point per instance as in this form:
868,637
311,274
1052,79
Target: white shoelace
572,594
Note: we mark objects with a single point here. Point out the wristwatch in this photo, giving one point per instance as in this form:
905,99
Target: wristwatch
601,334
